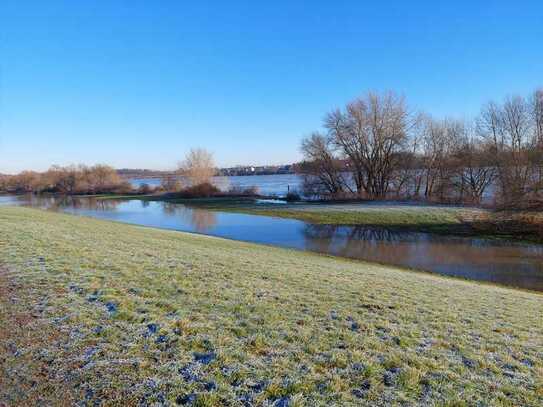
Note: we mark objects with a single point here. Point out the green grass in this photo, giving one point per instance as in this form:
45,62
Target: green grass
276,324
430,218
386,216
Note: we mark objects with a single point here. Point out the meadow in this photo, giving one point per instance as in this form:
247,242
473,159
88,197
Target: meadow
97,312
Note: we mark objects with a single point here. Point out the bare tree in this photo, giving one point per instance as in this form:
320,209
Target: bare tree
64,178
537,115
508,129
474,170
536,156
104,178
198,166
370,133
321,169
171,183
437,142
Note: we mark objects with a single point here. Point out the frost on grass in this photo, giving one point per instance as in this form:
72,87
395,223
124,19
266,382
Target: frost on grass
99,312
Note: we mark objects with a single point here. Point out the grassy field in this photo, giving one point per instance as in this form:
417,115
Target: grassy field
99,312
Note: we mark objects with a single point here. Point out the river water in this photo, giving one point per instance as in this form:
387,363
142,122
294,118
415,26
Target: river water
503,262
278,184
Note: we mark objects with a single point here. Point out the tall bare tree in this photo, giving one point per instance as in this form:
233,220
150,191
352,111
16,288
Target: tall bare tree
198,166
474,171
536,156
437,142
537,115
508,129
370,132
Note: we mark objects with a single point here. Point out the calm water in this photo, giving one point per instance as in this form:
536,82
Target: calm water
266,184
506,263
278,185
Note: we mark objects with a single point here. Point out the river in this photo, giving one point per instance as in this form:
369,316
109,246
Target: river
278,184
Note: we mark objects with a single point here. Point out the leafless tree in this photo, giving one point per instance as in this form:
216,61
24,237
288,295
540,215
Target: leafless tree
321,169
64,179
103,177
537,115
370,132
508,129
198,166
171,183
474,170
437,143
536,156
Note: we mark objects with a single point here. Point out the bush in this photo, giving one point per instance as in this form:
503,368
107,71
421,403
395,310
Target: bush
145,189
124,188
205,190
293,197
248,191
171,184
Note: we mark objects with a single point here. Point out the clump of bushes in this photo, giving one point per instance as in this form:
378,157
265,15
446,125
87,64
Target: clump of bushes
293,196
204,190
145,189
171,184
208,190
240,191
69,180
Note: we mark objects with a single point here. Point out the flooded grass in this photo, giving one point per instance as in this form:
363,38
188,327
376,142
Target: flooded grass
402,216
442,219
101,312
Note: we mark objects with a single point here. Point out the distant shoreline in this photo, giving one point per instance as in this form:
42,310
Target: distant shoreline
221,172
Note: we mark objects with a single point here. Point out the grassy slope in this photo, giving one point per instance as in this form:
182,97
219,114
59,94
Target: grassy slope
241,322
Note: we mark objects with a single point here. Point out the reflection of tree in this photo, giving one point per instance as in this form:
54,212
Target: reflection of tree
58,202
369,243
170,208
202,220
466,257
338,233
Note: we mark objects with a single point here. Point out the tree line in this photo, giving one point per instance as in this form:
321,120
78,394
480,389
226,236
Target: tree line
69,180
192,177
377,148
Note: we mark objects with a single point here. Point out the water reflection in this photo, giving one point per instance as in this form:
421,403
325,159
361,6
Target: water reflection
200,219
63,202
502,262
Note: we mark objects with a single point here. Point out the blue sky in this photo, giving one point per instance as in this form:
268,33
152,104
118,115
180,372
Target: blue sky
137,83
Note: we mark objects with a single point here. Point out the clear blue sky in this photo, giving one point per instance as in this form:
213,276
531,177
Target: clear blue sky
136,83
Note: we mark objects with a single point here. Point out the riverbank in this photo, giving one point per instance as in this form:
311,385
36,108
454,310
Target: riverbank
400,216
392,215
100,311
411,216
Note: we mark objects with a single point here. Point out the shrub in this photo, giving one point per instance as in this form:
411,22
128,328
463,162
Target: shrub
248,191
171,184
204,190
145,189
293,197
123,188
